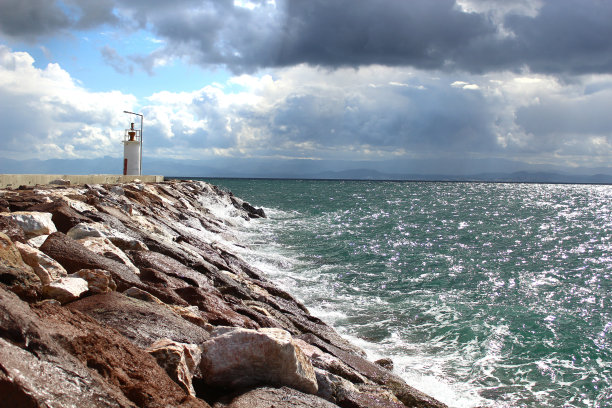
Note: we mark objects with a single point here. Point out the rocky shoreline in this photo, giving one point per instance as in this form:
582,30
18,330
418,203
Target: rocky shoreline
123,296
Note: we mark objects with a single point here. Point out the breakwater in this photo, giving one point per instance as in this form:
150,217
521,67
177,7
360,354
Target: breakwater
126,295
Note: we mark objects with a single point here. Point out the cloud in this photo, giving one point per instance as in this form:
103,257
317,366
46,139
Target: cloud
562,37
372,113
116,61
46,114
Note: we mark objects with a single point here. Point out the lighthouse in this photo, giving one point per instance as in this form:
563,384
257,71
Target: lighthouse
132,149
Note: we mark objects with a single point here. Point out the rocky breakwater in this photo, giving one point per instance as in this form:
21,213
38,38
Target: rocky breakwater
134,295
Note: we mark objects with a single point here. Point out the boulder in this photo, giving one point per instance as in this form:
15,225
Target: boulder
51,357
73,256
96,230
103,246
214,308
238,358
64,216
60,182
98,280
85,230
179,360
332,387
11,228
33,223
46,268
115,360
36,242
13,271
171,267
386,363
118,190
141,322
65,289
283,397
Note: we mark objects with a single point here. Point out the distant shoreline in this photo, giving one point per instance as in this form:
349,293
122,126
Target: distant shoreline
424,180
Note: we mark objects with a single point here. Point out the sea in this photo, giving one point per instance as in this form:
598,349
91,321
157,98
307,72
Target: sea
483,294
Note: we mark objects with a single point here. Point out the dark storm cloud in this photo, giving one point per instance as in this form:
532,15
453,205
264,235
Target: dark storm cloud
563,36
31,19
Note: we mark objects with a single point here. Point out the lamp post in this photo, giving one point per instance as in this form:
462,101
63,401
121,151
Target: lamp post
141,121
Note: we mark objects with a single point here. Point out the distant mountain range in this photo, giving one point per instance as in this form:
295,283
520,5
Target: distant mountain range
514,177
318,169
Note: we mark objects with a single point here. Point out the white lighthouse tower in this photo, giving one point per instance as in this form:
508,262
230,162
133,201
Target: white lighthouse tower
132,149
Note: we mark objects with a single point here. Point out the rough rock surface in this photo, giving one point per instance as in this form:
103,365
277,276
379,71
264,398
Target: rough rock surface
98,280
65,289
238,358
16,273
277,398
161,281
143,323
179,360
34,223
45,267
73,256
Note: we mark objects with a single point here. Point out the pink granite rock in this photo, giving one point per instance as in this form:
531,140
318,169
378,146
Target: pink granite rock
238,358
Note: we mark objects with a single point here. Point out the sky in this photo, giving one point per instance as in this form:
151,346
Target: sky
452,83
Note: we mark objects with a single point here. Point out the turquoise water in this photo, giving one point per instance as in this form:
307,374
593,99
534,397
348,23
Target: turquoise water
483,294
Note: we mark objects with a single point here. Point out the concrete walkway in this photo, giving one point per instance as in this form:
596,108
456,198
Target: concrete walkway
13,181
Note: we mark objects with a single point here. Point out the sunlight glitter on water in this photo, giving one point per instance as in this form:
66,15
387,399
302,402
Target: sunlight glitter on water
483,294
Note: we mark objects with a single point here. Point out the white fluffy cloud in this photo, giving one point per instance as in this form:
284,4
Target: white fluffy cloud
371,113
46,114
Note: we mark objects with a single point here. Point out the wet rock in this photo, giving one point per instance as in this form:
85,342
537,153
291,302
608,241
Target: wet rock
385,363
179,360
98,280
239,358
143,323
251,211
45,267
283,397
65,289
332,387
306,323
405,393
329,363
33,223
73,256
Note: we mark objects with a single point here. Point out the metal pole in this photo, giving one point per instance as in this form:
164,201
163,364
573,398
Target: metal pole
141,121
141,145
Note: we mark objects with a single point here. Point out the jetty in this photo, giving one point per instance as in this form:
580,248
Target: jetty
132,292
